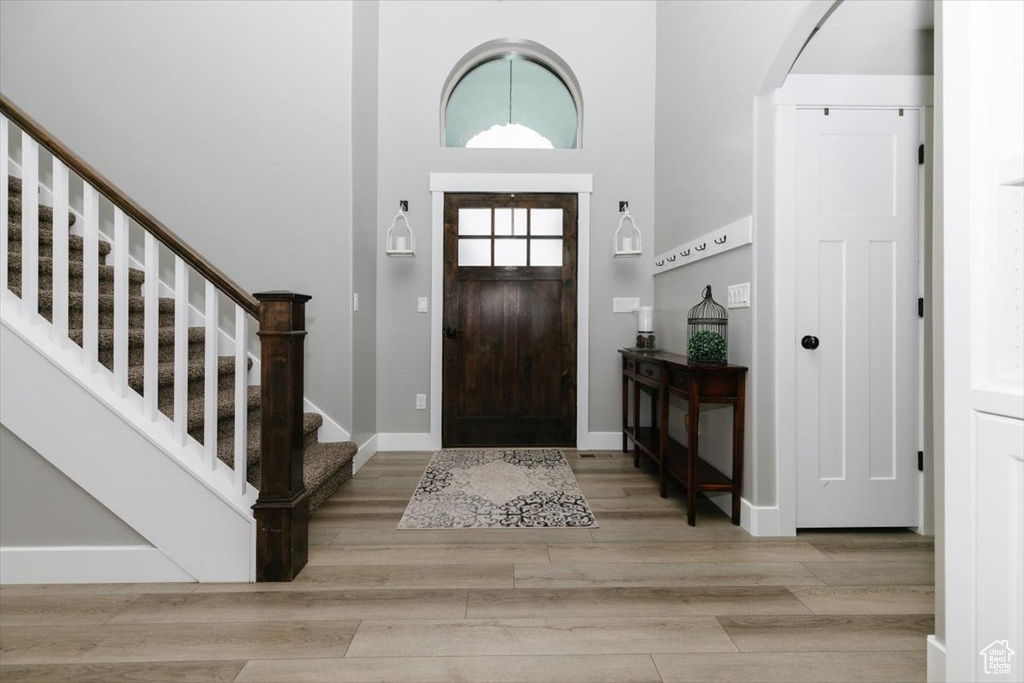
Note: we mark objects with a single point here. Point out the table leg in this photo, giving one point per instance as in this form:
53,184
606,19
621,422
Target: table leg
737,450
625,411
636,423
663,437
692,449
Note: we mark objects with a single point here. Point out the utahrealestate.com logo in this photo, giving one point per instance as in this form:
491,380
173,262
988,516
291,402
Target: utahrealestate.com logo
998,657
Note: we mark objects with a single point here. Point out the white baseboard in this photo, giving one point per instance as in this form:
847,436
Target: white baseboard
423,441
760,520
88,564
936,661
602,441
365,452
411,441
330,431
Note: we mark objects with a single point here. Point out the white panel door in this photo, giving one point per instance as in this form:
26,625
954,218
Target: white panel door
857,331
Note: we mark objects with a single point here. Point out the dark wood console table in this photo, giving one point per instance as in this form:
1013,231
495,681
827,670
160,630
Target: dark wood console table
664,375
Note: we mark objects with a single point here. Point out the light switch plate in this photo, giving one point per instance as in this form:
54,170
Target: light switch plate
421,304
355,302
421,401
739,296
625,304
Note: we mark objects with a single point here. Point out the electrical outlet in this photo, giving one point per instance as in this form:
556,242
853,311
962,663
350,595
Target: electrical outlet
421,304
421,401
625,304
739,296
355,302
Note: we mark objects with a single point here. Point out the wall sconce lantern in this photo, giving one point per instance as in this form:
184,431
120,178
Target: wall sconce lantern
627,240
400,240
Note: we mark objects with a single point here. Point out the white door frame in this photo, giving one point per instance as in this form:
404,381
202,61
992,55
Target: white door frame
581,184
909,92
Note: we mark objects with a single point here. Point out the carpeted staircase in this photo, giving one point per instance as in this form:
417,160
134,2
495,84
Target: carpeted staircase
326,465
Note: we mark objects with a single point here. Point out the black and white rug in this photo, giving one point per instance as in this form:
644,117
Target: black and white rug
498,488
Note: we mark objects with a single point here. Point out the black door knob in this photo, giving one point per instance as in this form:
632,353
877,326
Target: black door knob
809,342
450,332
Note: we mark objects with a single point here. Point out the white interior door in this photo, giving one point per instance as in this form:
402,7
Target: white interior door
856,317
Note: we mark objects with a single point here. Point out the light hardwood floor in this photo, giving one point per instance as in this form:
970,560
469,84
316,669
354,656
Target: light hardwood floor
642,598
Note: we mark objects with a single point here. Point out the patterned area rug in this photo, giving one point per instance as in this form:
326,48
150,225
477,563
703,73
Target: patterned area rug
497,488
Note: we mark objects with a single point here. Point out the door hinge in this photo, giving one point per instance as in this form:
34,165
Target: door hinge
920,154
826,111
920,307
920,461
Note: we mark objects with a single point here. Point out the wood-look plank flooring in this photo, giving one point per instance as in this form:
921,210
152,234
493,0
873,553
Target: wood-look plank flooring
642,598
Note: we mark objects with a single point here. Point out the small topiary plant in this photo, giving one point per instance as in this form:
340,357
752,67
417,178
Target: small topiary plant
706,347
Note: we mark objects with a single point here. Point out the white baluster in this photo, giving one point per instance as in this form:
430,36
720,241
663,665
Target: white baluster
120,302
151,350
4,197
241,400
180,350
90,275
60,253
210,375
29,229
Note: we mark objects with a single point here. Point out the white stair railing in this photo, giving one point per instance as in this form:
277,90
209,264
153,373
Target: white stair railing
58,331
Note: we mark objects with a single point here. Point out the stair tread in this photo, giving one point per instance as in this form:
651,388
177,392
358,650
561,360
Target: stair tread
323,459
165,371
75,242
76,268
137,335
106,301
226,447
45,212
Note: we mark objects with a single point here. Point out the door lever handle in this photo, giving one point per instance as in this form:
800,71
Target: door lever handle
450,333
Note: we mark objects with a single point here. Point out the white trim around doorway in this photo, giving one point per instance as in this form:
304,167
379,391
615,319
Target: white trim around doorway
581,184
774,255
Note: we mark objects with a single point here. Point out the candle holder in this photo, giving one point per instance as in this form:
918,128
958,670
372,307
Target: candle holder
645,338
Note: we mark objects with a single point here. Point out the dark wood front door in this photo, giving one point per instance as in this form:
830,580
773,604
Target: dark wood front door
509,320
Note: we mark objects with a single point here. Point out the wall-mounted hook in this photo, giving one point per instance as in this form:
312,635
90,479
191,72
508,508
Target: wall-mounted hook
702,247
721,241
403,204
659,264
672,258
623,207
685,253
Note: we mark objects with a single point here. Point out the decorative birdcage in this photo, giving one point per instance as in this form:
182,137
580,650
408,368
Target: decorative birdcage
707,339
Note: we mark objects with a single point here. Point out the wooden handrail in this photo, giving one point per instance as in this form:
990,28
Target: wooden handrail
130,207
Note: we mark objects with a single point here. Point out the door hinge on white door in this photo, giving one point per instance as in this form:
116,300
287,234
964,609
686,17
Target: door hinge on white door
920,461
920,154
920,307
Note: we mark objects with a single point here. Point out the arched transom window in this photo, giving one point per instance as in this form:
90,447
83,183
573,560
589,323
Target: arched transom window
512,94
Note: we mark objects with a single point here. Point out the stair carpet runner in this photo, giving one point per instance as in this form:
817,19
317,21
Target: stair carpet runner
326,466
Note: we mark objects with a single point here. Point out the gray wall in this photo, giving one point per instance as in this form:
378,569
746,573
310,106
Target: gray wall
610,47
365,45
712,59
868,52
39,506
230,122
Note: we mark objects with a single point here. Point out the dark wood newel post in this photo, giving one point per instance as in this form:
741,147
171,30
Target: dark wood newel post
281,510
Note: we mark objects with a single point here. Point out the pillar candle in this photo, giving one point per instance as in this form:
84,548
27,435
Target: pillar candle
627,244
645,319
400,242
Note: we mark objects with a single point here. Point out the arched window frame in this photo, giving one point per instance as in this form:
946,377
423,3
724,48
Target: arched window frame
526,49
